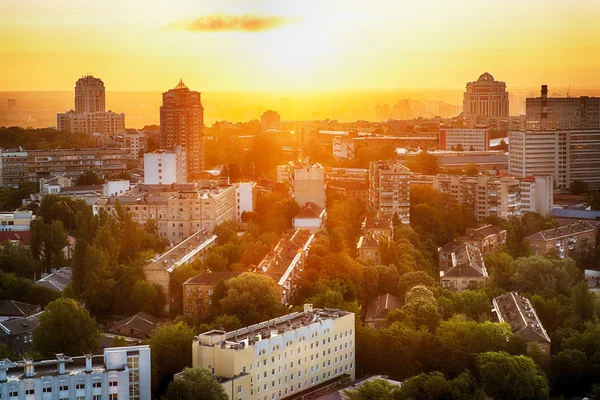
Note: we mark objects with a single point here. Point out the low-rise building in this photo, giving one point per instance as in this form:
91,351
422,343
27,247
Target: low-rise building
17,333
378,225
573,240
198,291
380,308
517,311
348,190
285,263
486,237
121,373
368,248
461,266
11,309
139,326
17,221
159,270
283,357
311,217
57,280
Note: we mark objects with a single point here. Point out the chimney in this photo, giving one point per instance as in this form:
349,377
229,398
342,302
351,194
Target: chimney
61,363
4,365
29,369
544,91
308,308
88,362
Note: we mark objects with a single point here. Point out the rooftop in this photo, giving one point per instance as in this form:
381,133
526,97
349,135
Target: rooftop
286,254
381,306
483,232
15,236
372,222
185,251
563,231
466,260
517,311
57,280
17,326
309,211
575,214
211,277
12,308
142,322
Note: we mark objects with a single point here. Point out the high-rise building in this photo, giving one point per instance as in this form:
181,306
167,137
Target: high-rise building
566,155
270,120
90,115
486,98
89,95
546,113
278,358
165,167
134,141
182,124
306,181
389,189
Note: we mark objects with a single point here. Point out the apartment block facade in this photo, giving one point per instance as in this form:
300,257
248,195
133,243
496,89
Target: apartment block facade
17,167
476,139
165,167
483,195
17,221
566,155
281,358
106,123
306,181
179,210
461,266
572,240
121,373
389,189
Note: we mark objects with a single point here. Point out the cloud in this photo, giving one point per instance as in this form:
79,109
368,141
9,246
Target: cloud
243,23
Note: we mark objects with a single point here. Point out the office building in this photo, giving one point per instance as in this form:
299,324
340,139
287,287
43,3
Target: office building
486,98
486,238
134,142
285,263
518,312
121,373
182,124
574,240
484,195
282,357
562,113
159,270
179,210
566,155
165,167
198,291
461,266
389,189
270,120
21,166
306,181
476,139
245,195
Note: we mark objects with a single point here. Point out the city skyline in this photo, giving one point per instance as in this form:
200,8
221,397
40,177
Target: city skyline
267,45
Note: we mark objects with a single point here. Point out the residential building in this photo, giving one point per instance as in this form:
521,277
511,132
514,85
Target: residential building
57,280
17,333
198,291
87,193
474,139
165,167
349,190
270,120
537,194
378,225
285,263
21,166
54,184
311,217
179,210
566,155
106,123
461,266
306,181
17,221
115,187
139,326
121,373
483,195
245,196
574,240
182,124
346,147
486,98
343,147
389,189
493,161
354,175
380,308
517,311
89,95
368,248
158,271
282,357
559,113
11,309
134,142
486,238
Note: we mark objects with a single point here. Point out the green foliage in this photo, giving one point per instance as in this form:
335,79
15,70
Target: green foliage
544,276
11,198
435,386
17,259
578,187
412,279
118,341
170,346
196,384
500,268
251,297
67,328
23,289
423,163
44,138
377,389
88,179
227,323
48,242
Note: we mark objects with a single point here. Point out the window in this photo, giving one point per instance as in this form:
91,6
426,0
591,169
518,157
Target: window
29,388
97,397
47,387
239,389
63,385
97,383
80,385
113,396
13,391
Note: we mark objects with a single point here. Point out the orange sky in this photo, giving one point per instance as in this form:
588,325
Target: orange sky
298,45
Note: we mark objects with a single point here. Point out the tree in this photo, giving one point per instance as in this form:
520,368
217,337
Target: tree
227,323
196,384
471,169
412,279
143,296
499,265
377,389
544,276
67,328
511,377
170,346
252,298
578,187
89,178
48,242
118,341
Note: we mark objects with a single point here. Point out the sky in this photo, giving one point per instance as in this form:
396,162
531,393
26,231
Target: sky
292,45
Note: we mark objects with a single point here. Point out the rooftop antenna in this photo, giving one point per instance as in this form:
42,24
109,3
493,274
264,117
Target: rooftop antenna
569,91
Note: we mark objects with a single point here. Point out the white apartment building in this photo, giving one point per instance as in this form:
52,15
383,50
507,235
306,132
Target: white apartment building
279,358
389,189
121,373
165,167
115,188
306,180
476,139
245,195
134,141
18,221
537,194
566,155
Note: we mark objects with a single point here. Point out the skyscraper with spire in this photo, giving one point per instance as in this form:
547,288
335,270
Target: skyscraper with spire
182,124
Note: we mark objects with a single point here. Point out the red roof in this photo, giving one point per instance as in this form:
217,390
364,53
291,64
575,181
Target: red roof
21,236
